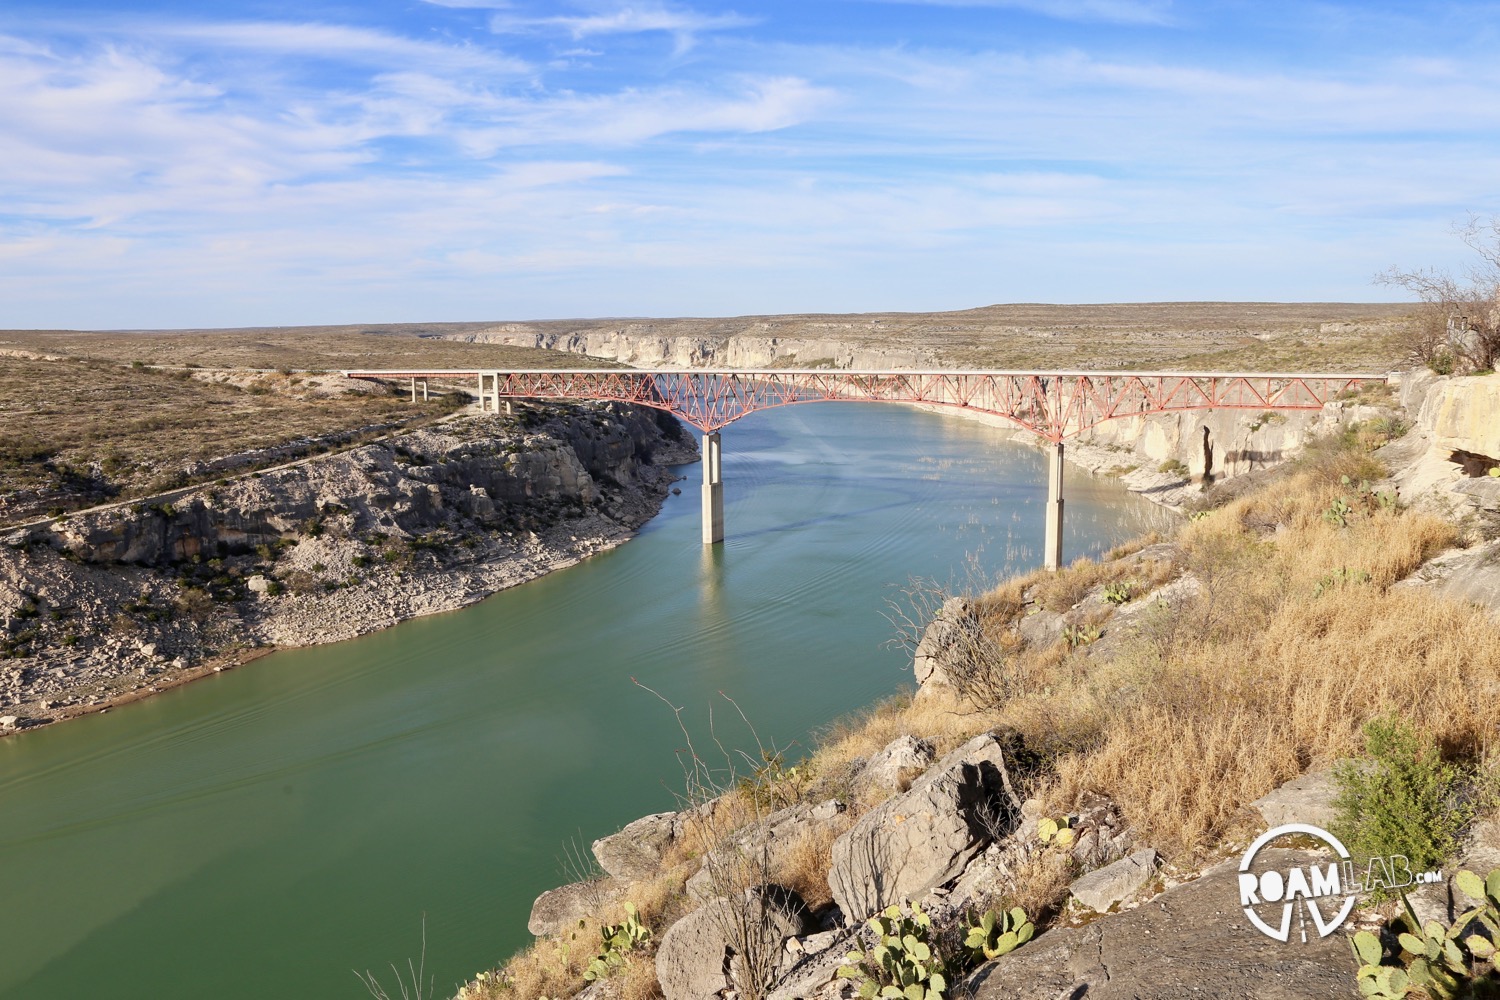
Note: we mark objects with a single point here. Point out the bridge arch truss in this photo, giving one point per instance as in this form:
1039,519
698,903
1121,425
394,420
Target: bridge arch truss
1053,405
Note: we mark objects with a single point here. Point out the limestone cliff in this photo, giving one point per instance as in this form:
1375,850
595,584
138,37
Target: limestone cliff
102,604
640,344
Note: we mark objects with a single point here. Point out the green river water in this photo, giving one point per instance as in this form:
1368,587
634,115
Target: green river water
262,833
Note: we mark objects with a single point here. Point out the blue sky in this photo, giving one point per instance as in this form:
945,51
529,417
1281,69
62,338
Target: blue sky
173,164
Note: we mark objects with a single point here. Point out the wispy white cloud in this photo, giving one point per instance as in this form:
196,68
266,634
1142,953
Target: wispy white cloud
333,41
683,25
1141,12
472,4
635,116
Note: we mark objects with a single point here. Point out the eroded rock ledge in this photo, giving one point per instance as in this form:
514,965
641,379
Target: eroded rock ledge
103,606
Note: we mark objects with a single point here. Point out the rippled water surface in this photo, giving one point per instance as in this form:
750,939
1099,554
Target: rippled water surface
264,832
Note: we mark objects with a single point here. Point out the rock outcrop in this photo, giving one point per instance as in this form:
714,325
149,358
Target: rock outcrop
1105,887
556,910
760,847
948,645
1307,798
1463,415
642,345
892,769
636,851
915,841
101,605
717,945
1191,941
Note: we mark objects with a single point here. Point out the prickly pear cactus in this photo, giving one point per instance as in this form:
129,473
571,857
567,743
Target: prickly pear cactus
901,963
996,934
1056,831
1440,962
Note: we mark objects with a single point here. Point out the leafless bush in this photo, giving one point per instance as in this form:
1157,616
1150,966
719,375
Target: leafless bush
737,852
1461,315
578,866
416,986
933,621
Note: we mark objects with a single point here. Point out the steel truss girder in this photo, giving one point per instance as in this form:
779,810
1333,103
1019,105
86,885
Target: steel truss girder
1053,405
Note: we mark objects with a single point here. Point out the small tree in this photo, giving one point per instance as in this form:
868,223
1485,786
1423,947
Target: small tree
1461,316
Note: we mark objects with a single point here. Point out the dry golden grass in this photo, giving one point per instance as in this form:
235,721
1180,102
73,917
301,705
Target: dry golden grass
1263,675
1260,676
1294,639
549,968
637,981
661,900
89,426
803,866
554,967
1039,885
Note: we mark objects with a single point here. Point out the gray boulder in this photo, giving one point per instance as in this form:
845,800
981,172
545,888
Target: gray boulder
556,910
946,646
636,851
913,842
1307,798
901,758
1480,854
716,946
1104,887
1041,628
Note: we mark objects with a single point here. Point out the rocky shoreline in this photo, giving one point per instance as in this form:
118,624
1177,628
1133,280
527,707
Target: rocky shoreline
104,608
768,887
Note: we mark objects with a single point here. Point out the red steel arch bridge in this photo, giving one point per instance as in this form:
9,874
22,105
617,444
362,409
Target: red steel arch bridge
1053,405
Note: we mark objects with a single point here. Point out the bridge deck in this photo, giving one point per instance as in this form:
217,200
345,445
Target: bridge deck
1038,372
1052,404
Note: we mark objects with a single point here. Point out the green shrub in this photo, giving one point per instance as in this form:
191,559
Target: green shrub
1338,514
1404,801
1081,635
774,785
1174,467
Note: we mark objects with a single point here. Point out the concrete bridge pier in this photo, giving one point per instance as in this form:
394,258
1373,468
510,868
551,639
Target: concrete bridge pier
414,390
1052,548
713,490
